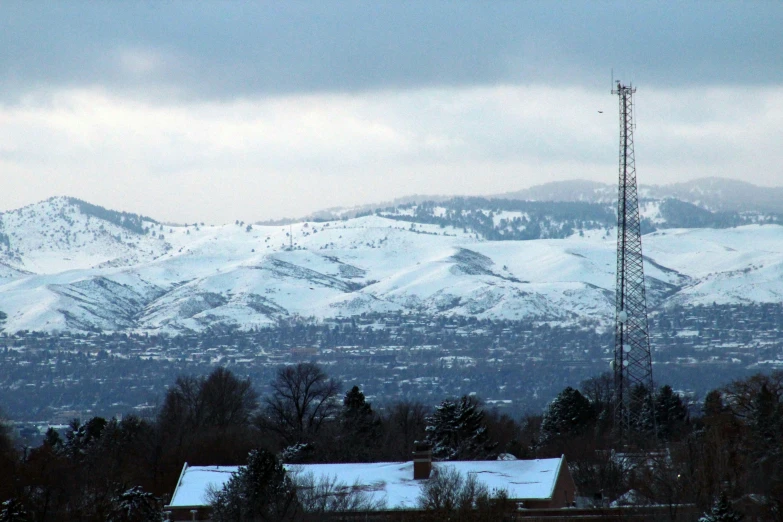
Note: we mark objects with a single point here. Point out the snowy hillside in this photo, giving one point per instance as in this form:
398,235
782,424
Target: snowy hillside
67,268
63,234
716,194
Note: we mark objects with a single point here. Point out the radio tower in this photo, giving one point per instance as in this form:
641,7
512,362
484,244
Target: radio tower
632,364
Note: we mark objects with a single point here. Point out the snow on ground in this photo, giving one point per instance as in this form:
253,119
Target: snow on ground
509,216
54,236
737,265
98,275
652,211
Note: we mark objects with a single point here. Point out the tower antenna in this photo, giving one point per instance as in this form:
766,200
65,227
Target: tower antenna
632,364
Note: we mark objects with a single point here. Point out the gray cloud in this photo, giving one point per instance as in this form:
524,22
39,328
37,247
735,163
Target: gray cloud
270,157
221,50
221,110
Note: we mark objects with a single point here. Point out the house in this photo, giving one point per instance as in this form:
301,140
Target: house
532,484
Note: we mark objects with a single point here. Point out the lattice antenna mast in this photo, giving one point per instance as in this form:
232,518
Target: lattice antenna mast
632,362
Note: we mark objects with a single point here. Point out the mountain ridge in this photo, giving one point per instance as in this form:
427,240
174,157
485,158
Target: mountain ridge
711,193
70,267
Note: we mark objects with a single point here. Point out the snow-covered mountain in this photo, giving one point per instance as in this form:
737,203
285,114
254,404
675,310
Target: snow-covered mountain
715,194
68,265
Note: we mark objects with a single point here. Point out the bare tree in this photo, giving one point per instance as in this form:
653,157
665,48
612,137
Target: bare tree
450,495
228,401
302,398
740,394
405,422
221,400
662,478
184,404
326,495
208,418
599,390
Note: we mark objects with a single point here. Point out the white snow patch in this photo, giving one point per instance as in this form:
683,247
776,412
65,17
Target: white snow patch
390,483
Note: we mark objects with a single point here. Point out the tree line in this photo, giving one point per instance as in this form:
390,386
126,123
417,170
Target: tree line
559,219
729,448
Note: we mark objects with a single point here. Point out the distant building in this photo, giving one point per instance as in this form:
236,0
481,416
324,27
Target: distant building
65,416
532,484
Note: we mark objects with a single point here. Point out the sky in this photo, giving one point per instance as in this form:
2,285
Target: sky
218,111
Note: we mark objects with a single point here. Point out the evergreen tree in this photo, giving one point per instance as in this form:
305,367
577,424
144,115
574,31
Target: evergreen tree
8,461
81,437
456,431
642,410
765,417
570,413
713,404
258,491
53,440
721,511
360,427
766,446
355,404
13,511
670,412
135,505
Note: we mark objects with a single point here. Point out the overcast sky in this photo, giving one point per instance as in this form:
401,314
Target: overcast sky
216,111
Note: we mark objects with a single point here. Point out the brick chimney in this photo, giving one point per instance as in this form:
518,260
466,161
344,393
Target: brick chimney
422,460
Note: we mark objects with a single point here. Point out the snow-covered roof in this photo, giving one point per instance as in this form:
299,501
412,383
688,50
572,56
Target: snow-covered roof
195,481
390,483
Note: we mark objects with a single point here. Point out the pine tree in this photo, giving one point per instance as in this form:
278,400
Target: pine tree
642,410
13,511
360,427
670,412
765,417
298,453
721,511
260,490
569,413
456,431
355,405
713,404
135,505
81,437
766,446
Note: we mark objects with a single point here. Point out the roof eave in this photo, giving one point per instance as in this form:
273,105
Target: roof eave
557,476
179,481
